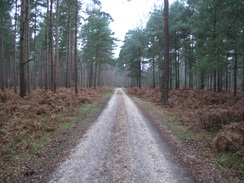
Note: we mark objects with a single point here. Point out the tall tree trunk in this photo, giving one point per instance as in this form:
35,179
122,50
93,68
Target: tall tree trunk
215,48
72,46
95,76
165,93
41,78
178,70
190,72
22,50
57,47
15,33
219,80
211,81
100,81
170,74
226,77
175,69
195,75
202,80
90,79
28,48
185,76
153,69
160,70
243,74
34,69
7,72
52,61
231,77
82,74
76,49
96,63
47,51
214,80
139,74
68,51
235,74
2,56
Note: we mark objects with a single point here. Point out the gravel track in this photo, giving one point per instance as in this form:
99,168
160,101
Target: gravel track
121,146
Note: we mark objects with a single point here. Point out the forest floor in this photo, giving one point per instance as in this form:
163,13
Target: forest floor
33,145
208,128
37,131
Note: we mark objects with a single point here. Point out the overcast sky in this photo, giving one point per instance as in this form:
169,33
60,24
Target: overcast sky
128,15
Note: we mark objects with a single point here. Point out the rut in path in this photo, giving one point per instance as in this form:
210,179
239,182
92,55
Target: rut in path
121,146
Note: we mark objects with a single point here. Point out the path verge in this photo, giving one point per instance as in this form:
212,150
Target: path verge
35,166
191,148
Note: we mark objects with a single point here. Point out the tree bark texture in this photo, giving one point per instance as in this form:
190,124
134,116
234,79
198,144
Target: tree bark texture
235,74
2,55
56,84
47,51
76,50
22,50
52,61
165,93
68,60
15,33
28,34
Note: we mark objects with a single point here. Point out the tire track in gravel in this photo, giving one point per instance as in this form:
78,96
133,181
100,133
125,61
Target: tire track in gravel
121,146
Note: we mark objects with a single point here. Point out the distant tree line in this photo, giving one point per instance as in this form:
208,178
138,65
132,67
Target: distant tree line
53,43
206,45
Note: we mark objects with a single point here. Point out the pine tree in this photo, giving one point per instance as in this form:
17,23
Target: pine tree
98,43
131,55
22,49
56,80
76,49
165,91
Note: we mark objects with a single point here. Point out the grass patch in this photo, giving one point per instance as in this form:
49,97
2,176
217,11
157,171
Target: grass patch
171,121
63,126
86,111
228,160
231,162
38,144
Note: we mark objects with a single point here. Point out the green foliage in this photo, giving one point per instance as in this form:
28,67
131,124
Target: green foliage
97,37
132,52
216,25
231,161
204,36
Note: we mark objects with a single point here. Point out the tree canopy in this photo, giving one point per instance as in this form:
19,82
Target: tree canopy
205,46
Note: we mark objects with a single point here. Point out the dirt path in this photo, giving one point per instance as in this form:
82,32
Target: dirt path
121,146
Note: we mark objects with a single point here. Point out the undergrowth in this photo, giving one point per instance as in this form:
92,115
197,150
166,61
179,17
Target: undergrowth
29,124
205,110
231,160
171,121
199,108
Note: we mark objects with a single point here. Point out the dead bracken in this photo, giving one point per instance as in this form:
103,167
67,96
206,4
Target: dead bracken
206,110
231,138
33,116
